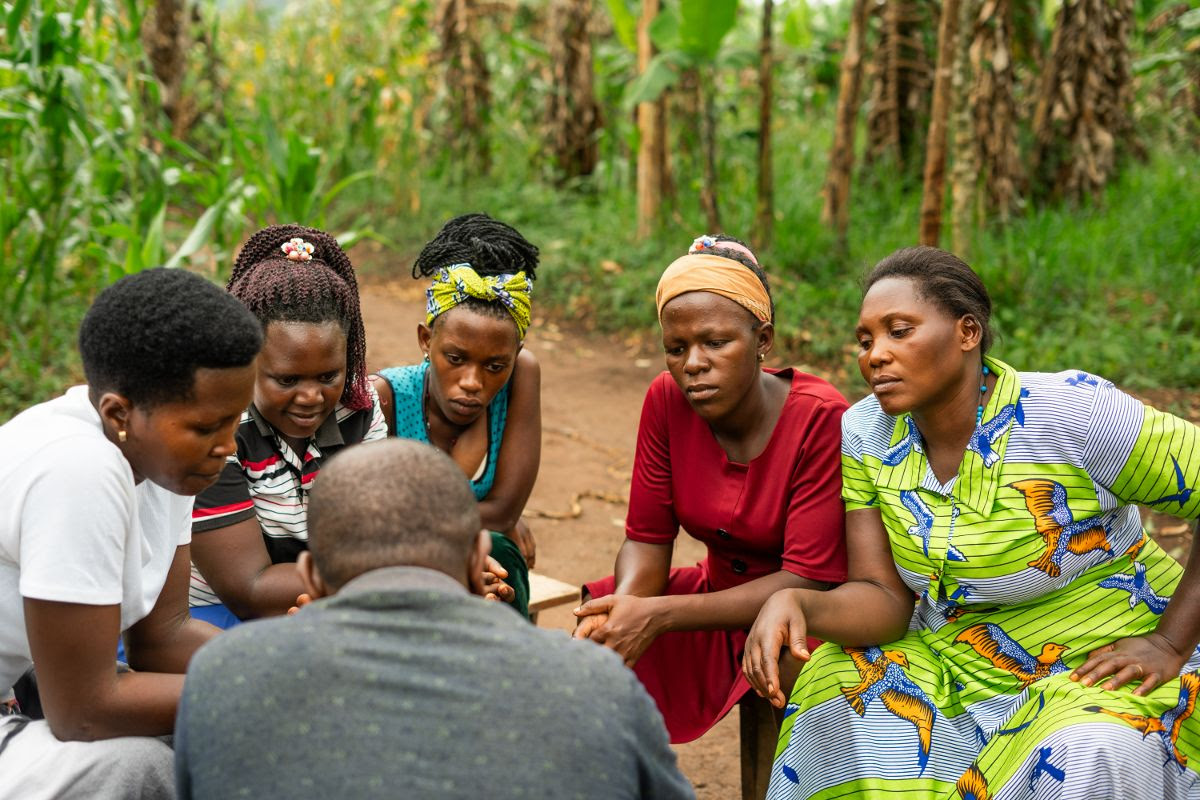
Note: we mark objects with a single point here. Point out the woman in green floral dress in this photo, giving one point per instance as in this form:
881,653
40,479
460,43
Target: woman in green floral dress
1042,659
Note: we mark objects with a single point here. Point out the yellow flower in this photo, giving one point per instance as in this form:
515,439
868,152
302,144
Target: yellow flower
329,79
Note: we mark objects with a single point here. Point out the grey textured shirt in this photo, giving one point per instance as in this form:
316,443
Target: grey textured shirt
403,685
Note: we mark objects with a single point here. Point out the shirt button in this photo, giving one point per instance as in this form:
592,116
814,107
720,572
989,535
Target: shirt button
724,534
738,566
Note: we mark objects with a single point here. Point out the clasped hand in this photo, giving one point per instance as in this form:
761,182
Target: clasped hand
626,623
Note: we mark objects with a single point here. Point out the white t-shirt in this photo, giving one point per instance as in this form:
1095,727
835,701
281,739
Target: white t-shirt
74,527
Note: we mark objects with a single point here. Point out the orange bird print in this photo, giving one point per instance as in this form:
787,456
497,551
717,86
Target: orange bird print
1167,726
972,785
990,641
882,673
1047,502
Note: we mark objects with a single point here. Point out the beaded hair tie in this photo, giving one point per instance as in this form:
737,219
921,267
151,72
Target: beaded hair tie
297,249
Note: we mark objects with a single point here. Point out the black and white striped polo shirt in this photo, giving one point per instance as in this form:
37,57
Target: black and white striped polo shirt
268,479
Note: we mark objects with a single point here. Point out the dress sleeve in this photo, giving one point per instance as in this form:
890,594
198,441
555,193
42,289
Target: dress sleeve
651,516
814,542
1143,455
226,502
858,489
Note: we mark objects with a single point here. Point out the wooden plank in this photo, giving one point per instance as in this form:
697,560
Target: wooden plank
546,592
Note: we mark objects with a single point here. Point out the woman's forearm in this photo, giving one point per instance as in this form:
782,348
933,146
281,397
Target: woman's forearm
642,569
857,613
1180,623
729,609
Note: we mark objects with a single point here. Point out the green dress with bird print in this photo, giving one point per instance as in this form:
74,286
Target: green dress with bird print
1026,561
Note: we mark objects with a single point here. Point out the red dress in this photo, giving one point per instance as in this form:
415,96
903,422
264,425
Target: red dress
783,510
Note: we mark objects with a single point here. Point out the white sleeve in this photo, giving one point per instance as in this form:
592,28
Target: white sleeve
76,517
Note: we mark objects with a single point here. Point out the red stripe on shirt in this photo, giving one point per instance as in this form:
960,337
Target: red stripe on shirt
260,465
200,513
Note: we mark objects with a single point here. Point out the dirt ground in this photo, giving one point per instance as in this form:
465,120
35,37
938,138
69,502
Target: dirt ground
592,389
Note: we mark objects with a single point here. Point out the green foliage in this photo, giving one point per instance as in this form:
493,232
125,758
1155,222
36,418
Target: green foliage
308,115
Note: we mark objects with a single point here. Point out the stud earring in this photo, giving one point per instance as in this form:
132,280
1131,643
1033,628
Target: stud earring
122,436
427,356
762,356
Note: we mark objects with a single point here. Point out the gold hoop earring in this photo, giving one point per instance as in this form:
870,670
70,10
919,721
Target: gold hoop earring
122,436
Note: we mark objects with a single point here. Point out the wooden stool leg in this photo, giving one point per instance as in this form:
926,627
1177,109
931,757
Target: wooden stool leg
760,722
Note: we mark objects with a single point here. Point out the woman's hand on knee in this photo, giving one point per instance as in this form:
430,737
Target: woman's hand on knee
1150,660
780,624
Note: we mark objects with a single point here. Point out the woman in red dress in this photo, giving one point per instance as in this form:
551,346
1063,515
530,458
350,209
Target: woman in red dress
744,458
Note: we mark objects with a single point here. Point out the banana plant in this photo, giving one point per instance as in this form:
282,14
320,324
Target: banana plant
689,37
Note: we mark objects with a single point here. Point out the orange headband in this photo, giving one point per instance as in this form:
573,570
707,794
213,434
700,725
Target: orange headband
708,273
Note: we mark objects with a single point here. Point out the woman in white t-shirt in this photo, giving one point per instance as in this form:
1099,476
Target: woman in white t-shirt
96,490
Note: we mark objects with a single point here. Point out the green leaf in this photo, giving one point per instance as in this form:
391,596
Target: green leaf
1190,20
797,25
624,23
203,227
664,29
1158,61
15,15
703,24
152,244
659,76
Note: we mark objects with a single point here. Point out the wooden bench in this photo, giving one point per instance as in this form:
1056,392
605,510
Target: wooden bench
546,592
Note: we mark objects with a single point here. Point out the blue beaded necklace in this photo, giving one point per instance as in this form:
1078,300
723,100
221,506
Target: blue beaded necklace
982,390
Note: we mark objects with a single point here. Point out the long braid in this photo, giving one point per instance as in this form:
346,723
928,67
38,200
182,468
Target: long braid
324,289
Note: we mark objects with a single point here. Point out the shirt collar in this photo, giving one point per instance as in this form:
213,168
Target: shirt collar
401,578
330,433
904,465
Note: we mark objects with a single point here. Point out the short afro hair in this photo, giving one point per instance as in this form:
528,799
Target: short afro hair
394,502
148,333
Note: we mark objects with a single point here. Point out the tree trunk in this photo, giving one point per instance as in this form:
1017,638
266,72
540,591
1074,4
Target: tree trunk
764,212
900,82
165,37
574,114
652,149
965,174
466,83
992,100
836,210
708,189
933,195
1082,112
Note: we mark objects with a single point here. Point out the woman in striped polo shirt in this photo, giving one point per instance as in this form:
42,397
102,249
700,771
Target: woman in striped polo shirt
1052,652
311,399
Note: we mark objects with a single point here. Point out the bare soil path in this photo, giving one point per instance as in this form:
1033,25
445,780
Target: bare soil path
592,390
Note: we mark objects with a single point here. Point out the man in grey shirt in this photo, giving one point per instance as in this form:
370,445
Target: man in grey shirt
405,683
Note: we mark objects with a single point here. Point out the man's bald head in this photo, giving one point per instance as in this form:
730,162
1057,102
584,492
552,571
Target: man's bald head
391,503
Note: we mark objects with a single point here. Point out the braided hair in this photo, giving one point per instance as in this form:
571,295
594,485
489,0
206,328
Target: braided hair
744,260
323,289
491,248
